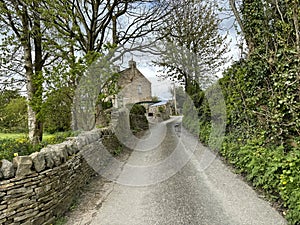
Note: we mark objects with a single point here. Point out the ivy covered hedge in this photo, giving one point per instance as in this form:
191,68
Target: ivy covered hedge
262,95
262,128
269,168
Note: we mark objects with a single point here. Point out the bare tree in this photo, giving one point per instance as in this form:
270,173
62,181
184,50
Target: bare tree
93,25
193,47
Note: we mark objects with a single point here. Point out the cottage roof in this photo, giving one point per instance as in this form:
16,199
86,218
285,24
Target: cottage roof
159,103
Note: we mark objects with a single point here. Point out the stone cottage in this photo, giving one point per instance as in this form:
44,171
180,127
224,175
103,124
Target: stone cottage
135,87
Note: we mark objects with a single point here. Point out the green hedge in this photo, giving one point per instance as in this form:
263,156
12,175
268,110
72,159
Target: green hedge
263,121
269,160
270,168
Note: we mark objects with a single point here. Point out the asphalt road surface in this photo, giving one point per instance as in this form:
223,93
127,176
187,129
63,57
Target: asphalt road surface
178,181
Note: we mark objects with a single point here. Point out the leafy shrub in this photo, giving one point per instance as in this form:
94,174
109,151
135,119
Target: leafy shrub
138,109
263,123
138,120
57,138
161,109
22,146
269,168
190,119
13,112
262,101
204,132
57,111
289,186
113,145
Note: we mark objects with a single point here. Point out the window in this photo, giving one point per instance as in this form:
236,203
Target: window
139,89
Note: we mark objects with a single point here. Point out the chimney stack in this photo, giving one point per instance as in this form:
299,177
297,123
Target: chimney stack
132,64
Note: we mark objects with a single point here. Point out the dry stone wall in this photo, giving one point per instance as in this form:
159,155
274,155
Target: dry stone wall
38,188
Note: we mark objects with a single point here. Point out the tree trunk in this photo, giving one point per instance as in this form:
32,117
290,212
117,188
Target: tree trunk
74,124
34,126
38,75
73,83
33,73
237,15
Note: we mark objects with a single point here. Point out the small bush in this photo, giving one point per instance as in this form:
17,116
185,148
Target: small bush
22,146
138,120
13,116
138,109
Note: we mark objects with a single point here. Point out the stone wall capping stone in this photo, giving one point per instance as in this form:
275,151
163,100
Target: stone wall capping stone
23,165
6,169
38,159
70,146
49,156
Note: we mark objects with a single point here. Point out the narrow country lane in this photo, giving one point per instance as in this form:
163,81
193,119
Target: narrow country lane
195,187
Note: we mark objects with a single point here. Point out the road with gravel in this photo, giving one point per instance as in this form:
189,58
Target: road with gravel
176,181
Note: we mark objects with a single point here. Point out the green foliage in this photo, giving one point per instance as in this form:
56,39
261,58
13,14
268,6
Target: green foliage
61,220
138,119
192,107
22,145
13,113
190,119
180,97
155,99
7,95
161,109
262,103
57,111
57,137
15,116
269,168
204,131
289,187
263,123
138,109
11,135
113,145
118,150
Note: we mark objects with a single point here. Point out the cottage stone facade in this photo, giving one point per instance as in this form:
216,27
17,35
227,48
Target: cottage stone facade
135,87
